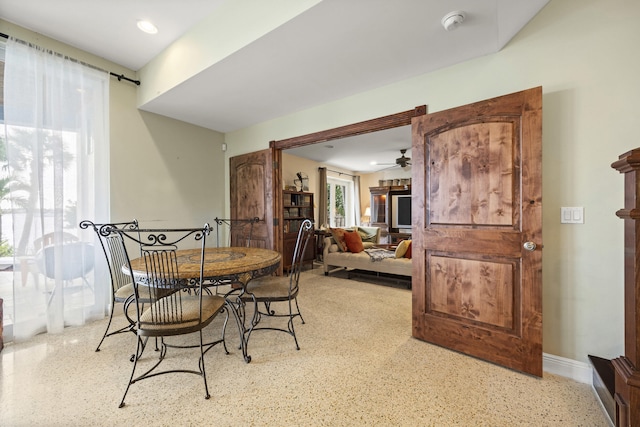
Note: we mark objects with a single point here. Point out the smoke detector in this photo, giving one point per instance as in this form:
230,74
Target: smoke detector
452,20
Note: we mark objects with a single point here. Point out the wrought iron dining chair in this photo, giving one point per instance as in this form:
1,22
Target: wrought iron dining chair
121,285
239,231
180,306
272,289
233,232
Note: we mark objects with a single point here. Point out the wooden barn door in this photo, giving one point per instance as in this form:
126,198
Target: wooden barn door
477,230
251,194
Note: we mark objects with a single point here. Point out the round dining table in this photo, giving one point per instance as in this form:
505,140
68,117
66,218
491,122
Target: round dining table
222,266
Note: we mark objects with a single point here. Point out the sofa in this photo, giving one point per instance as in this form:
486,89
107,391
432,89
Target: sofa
334,258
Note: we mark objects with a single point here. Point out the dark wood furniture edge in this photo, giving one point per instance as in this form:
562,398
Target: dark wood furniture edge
604,383
626,394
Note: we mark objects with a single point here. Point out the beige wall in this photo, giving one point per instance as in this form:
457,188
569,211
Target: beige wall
163,172
293,164
584,55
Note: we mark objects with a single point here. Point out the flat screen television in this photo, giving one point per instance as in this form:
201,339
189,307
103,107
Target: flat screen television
401,211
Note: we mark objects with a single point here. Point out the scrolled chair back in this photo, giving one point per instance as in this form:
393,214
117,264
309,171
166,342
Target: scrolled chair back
105,228
158,270
239,231
113,247
114,254
305,233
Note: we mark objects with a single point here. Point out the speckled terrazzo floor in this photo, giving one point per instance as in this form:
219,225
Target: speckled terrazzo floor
358,366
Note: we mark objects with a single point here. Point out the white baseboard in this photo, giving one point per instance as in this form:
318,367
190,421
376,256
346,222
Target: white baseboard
577,371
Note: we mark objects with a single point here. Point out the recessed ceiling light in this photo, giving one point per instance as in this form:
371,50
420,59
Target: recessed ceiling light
147,27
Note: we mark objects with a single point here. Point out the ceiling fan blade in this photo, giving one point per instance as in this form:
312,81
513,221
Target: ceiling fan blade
387,168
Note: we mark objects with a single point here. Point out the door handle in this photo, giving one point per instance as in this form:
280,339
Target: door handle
530,246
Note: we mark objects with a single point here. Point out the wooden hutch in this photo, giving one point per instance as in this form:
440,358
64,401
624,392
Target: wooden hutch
625,369
297,206
382,213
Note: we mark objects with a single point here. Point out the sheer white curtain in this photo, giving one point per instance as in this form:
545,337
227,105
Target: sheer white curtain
57,163
356,200
323,220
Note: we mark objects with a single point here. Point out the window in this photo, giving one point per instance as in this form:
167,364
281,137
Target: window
340,197
3,45
54,172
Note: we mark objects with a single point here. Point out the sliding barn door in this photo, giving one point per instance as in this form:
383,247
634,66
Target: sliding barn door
477,230
251,194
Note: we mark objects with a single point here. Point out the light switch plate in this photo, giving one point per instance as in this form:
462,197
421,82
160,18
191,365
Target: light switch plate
572,215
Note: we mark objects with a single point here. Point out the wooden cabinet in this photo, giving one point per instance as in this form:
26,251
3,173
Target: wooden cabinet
626,393
395,238
382,212
297,206
379,206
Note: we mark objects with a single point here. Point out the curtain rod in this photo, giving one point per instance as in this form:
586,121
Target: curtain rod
341,173
120,77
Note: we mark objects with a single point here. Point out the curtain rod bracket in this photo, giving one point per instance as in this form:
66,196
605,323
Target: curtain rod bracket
121,77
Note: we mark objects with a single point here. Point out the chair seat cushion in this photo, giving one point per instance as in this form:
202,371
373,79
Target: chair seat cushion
124,292
270,287
144,293
211,306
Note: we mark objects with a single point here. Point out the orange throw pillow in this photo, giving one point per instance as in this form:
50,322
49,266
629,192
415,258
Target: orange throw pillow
338,236
408,253
353,241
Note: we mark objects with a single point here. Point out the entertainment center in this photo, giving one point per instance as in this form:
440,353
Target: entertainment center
391,211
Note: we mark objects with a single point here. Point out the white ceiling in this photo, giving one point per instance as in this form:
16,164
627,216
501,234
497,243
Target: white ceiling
107,28
335,49
369,152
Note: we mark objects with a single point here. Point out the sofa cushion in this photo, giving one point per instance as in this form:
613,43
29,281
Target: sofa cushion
363,261
369,234
402,248
353,241
408,253
333,247
338,236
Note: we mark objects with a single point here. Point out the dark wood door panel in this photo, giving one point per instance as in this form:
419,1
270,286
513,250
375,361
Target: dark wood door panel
251,194
472,173
506,350
485,241
477,198
477,290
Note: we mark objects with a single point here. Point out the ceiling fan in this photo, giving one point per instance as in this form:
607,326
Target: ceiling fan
403,161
